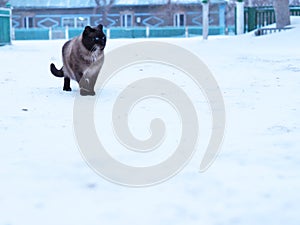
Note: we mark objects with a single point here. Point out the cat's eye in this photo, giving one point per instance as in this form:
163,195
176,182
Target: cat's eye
96,38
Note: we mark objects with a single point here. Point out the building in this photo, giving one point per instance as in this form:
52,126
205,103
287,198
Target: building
122,13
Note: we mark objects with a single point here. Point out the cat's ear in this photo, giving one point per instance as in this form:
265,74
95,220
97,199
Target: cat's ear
87,30
100,27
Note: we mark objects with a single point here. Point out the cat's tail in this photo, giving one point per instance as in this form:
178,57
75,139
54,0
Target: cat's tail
55,71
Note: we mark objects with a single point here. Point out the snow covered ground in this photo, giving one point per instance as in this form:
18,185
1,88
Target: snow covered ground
254,180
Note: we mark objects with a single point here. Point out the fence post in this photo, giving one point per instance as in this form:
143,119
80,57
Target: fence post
240,17
50,33
67,33
147,31
205,11
108,33
12,31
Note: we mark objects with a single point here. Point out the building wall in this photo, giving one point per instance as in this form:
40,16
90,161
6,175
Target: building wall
118,16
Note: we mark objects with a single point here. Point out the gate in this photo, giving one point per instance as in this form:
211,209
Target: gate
257,17
5,26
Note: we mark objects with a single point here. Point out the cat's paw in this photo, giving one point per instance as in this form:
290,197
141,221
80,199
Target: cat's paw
67,89
85,92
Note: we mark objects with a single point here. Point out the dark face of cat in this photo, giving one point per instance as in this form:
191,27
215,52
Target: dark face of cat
94,38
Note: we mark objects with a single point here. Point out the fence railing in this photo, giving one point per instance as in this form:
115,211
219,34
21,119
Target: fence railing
5,26
115,32
257,17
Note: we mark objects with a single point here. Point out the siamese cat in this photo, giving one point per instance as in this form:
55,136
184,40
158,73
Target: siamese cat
83,58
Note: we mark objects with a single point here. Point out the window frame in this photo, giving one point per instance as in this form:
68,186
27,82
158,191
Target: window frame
127,19
75,21
178,21
28,22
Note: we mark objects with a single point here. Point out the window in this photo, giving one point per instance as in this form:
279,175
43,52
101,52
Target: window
68,22
179,19
126,20
75,21
82,21
28,22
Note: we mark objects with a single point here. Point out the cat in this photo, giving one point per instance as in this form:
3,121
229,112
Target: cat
83,58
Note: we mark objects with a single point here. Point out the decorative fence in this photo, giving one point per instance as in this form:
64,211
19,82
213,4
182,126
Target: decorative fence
5,26
115,32
257,17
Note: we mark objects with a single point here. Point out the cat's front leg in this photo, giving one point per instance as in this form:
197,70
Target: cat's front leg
86,87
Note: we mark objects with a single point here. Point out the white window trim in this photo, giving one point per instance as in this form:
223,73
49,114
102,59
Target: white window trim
75,18
26,22
177,19
124,19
